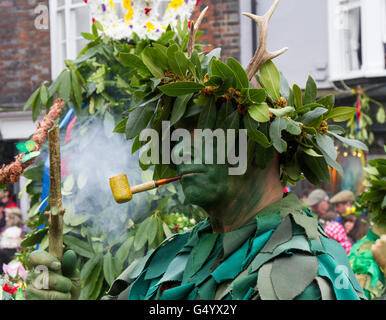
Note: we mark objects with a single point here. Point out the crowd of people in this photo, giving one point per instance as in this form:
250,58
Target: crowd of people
338,216
11,227
354,232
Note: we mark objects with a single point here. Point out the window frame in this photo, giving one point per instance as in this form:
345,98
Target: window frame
57,54
373,29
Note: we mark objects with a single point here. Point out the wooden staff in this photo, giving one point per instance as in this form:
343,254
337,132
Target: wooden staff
56,213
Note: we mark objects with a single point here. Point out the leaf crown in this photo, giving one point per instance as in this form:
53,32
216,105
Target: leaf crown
277,117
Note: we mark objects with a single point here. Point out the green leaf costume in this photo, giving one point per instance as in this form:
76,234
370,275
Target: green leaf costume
363,263
281,254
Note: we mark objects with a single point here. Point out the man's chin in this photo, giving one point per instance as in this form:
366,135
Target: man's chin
198,196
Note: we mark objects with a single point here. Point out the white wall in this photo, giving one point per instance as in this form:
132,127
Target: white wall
302,26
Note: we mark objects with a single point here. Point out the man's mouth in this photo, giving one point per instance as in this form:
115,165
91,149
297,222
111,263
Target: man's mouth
191,170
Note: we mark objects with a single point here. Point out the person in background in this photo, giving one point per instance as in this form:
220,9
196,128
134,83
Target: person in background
368,261
2,213
6,201
318,201
10,239
356,225
342,203
305,195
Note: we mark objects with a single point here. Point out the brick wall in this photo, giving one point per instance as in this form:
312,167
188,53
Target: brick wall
221,26
24,51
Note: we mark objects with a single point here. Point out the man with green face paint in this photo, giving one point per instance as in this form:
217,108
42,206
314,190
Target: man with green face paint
257,243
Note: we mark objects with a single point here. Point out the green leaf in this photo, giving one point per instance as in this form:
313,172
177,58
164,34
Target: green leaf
326,145
141,236
32,99
179,108
65,86
309,107
259,112
121,126
133,61
298,96
147,59
197,63
254,95
285,89
182,61
315,169
350,142
34,238
270,78
341,114
98,25
124,250
35,173
255,134
44,95
180,88
208,115
327,101
152,230
88,268
220,69
77,90
313,118
88,36
241,75
282,112
293,127
381,116
108,268
311,91
312,153
79,246
275,131
138,120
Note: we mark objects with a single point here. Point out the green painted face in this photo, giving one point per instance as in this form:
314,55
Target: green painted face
211,187
208,182
228,199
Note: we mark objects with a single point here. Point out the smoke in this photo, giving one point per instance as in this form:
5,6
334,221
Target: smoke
93,155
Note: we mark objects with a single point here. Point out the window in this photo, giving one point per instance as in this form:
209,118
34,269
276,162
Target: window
68,18
357,33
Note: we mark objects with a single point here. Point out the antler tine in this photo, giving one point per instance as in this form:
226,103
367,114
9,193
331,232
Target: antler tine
193,31
262,55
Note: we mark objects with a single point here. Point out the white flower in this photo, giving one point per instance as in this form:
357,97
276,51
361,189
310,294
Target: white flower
142,17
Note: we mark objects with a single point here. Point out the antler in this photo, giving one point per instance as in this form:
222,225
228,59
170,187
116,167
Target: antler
262,55
193,31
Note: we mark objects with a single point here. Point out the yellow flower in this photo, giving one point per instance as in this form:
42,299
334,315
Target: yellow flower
150,26
127,4
175,3
113,5
129,15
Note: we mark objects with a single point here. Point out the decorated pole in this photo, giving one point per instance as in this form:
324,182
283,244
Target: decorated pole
56,213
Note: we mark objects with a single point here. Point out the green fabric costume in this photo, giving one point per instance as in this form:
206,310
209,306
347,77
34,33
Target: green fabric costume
363,263
282,253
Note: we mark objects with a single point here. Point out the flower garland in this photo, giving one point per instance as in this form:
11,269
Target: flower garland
139,16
